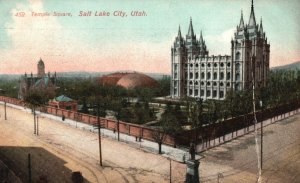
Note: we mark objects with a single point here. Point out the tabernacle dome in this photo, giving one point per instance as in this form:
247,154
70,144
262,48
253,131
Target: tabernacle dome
128,80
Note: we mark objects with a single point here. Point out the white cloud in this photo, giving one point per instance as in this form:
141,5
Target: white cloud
31,38
220,44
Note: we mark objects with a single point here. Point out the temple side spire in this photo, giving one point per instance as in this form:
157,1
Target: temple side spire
179,32
241,21
201,37
261,30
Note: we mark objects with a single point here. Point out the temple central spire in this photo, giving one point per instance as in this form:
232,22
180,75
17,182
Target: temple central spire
252,21
191,30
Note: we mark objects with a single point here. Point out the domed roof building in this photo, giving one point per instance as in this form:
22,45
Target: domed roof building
129,80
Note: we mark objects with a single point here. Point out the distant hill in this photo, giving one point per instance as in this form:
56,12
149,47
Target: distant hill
80,74
9,76
292,66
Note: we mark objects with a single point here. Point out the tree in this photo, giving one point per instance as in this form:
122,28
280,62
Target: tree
141,112
116,106
138,113
214,115
195,117
9,86
84,106
169,125
34,99
179,114
164,86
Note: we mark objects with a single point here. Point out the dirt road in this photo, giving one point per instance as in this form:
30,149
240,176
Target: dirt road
61,149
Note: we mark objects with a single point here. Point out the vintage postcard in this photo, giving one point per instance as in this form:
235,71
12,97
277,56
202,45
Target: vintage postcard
149,91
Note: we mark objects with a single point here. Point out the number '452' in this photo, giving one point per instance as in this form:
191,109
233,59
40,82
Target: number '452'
20,14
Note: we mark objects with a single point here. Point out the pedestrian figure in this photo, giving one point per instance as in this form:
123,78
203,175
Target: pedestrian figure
63,117
192,151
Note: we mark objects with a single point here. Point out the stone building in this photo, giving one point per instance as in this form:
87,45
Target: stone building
41,81
196,74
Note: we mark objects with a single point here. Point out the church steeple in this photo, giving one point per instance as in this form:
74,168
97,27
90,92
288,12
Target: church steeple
261,30
191,30
201,38
252,22
241,26
179,32
179,39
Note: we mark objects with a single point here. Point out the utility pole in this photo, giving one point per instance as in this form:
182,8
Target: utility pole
261,137
29,168
255,121
118,128
37,125
99,134
5,117
170,170
34,121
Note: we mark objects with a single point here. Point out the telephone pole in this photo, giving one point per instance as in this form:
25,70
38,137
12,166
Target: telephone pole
261,137
29,168
99,134
5,117
259,156
170,170
37,125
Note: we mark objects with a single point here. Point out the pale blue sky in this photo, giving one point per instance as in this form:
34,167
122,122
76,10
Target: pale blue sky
134,43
